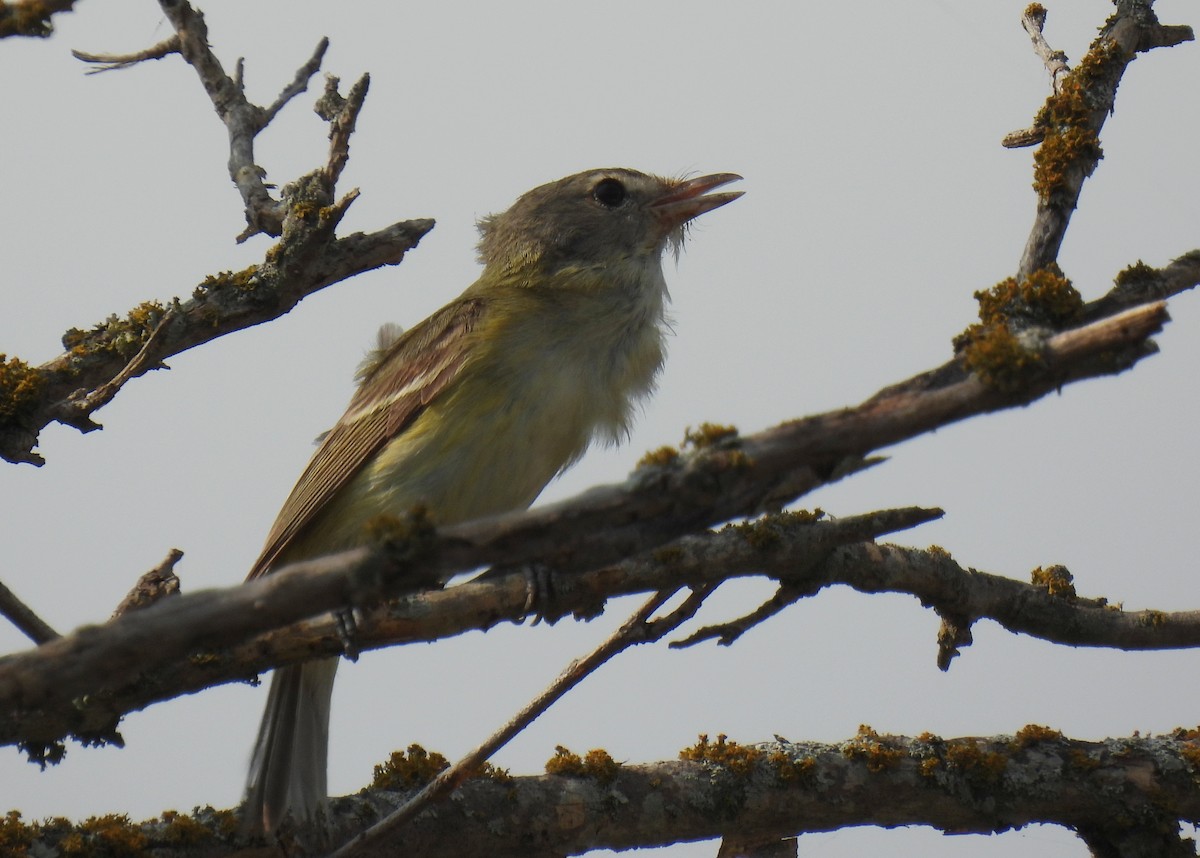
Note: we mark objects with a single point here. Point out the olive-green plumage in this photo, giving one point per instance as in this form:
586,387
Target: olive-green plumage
475,409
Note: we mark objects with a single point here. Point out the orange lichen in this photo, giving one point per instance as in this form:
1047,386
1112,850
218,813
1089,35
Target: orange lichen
872,748
597,764
1031,734
967,756
1055,580
406,771
740,759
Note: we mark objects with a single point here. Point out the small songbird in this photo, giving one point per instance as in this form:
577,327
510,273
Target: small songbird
472,411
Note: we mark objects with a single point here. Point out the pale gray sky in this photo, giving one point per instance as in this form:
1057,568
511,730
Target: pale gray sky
877,200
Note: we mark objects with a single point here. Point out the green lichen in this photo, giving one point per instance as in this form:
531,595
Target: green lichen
768,531
408,770
737,758
660,458
1070,149
122,336
181,829
974,762
999,360
27,18
111,836
1140,281
1083,761
991,349
20,385
15,836
1032,734
1055,580
708,435
597,764
246,280
872,749
1045,297
789,770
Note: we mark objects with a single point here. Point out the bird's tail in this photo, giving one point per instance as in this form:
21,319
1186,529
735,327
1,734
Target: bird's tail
287,769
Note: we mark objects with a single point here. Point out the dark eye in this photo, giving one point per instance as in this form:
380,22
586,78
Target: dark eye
610,193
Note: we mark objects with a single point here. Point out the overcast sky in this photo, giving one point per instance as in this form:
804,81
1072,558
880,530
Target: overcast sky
877,200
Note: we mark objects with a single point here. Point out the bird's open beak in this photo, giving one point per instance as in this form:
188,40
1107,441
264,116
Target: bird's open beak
685,200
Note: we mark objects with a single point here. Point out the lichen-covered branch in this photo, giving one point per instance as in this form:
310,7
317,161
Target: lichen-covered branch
1069,123
309,255
97,362
1111,792
642,627
81,683
721,477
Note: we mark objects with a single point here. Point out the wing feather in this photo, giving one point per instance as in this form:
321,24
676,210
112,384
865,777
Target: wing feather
415,369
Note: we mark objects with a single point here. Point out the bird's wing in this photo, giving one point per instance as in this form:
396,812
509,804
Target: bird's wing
392,392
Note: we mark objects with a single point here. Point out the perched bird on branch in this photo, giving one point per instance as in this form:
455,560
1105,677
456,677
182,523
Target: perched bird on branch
472,411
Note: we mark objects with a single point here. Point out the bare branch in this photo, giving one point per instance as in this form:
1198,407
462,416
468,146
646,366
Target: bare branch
24,618
341,114
111,62
243,119
299,84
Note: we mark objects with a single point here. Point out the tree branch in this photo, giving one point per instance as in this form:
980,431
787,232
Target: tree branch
24,618
674,493
638,629
243,119
1071,120
1113,793
309,256
112,62
81,684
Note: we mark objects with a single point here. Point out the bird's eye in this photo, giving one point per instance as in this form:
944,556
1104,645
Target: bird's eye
610,193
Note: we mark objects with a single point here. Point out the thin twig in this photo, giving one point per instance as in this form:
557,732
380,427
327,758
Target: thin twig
639,628
77,411
1034,20
23,617
111,62
299,83
728,632
243,119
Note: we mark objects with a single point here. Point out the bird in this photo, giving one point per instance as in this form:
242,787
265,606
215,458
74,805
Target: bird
472,411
